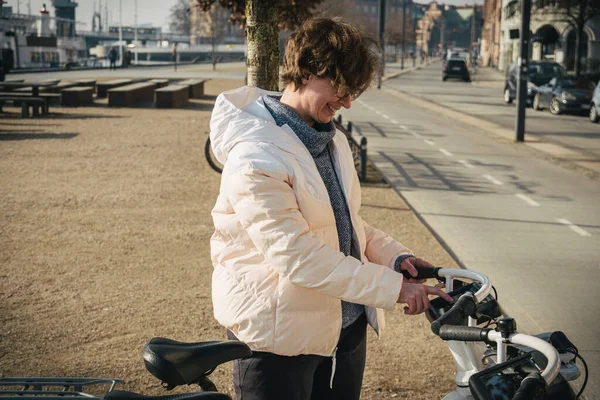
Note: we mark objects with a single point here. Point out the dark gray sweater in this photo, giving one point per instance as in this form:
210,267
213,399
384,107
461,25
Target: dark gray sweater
318,141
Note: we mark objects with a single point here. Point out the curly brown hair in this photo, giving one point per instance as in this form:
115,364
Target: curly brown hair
331,48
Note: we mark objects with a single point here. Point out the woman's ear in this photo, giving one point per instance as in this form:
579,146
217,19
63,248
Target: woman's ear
305,77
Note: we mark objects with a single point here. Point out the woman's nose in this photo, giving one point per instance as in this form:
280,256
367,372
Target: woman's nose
346,102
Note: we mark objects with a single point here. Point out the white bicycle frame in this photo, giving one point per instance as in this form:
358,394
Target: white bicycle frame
468,356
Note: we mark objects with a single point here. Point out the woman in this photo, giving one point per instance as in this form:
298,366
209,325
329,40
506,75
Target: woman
298,274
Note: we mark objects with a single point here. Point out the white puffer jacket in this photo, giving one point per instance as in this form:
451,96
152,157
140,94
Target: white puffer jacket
278,273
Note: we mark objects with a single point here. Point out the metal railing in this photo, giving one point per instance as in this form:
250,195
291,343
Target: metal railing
359,149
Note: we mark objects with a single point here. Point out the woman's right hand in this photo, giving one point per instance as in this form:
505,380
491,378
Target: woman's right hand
416,297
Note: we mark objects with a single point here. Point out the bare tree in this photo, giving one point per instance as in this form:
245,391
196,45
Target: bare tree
263,19
179,19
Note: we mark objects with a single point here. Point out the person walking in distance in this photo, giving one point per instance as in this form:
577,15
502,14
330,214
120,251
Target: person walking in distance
112,58
298,275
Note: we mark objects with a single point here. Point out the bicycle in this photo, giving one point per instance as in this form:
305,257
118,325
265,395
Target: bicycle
492,364
210,157
498,362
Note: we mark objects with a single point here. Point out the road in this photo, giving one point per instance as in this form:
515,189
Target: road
531,224
571,131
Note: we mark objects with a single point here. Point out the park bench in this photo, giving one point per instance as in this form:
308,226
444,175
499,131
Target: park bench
128,95
172,96
25,103
77,96
104,87
48,97
195,87
160,82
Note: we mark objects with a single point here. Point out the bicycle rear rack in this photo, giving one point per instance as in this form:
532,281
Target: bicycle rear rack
54,388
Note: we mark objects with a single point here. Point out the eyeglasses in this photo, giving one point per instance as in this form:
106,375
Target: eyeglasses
345,95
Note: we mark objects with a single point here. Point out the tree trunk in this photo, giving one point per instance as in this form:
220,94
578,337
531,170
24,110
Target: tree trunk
262,37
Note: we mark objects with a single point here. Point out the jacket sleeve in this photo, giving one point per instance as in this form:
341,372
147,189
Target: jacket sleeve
266,207
382,248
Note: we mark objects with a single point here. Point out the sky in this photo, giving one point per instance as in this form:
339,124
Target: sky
154,12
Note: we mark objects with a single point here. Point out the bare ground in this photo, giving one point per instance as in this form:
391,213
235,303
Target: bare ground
105,227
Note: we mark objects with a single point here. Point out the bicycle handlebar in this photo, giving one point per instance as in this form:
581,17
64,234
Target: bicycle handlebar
446,326
464,307
423,273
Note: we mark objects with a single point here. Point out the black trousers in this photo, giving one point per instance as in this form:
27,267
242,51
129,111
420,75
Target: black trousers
268,376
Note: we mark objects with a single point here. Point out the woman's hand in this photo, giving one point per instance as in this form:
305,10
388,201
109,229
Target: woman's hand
416,297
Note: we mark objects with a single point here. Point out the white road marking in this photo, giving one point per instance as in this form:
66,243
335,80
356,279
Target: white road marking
394,122
415,134
385,116
446,152
574,227
403,127
528,200
466,163
493,180
430,142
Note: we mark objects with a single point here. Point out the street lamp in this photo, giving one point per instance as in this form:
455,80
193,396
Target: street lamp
121,32
403,33
135,33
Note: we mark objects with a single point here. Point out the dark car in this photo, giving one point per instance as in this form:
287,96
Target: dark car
539,73
564,94
595,105
456,68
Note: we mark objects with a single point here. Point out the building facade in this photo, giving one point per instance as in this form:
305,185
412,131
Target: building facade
552,38
491,32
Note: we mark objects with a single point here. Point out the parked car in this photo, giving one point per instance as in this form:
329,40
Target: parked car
564,94
456,68
595,105
539,73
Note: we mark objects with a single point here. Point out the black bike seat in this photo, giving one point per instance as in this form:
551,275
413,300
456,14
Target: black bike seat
123,395
177,363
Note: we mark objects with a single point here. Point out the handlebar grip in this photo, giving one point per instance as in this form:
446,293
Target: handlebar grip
423,273
463,307
533,387
464,333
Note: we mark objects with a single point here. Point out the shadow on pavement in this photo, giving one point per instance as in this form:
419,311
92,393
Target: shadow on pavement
35,136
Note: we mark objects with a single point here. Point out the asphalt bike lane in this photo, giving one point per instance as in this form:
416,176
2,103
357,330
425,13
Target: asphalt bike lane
533,226
574,132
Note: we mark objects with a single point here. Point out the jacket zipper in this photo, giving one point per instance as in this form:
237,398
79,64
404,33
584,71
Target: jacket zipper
332,368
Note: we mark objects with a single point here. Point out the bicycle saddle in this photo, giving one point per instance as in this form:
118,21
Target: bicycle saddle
177,363
123,395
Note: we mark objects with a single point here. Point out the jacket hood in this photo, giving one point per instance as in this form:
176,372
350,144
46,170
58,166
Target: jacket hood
240,115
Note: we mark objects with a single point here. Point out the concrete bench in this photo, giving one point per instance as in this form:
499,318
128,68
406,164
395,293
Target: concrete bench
25,103
77,96
104,87
160,82
172,96
58,87
86,83
128,95
196,87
